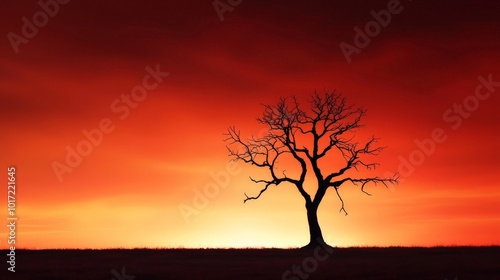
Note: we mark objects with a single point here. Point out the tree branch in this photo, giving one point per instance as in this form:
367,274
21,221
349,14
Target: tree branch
268,183
307,136
364,181
342,201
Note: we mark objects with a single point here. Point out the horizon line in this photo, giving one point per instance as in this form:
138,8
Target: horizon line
254,248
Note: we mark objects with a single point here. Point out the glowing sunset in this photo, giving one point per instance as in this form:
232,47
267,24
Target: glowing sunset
116,115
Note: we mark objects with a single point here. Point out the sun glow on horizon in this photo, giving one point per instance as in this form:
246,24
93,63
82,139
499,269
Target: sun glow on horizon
162,177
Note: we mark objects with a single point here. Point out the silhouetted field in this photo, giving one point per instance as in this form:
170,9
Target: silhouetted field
343,263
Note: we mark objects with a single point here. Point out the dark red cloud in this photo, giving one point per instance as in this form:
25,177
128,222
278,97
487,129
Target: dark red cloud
90,53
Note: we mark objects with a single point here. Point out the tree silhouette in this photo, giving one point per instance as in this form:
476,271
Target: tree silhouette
320,139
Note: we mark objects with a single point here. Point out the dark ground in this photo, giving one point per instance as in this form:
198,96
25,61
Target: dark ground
439,263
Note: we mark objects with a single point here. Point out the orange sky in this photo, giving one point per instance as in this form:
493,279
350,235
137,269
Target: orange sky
127,192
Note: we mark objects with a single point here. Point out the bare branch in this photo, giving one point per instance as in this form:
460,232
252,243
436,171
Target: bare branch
342,208
364,181
307,136
261,191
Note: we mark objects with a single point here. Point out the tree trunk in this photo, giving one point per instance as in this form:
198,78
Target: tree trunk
316,237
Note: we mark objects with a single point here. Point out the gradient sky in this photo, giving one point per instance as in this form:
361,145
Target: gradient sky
128,191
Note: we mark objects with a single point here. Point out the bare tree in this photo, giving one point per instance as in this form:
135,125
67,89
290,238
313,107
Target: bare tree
316,140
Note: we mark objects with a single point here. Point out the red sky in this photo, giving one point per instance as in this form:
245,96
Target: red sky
127,192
